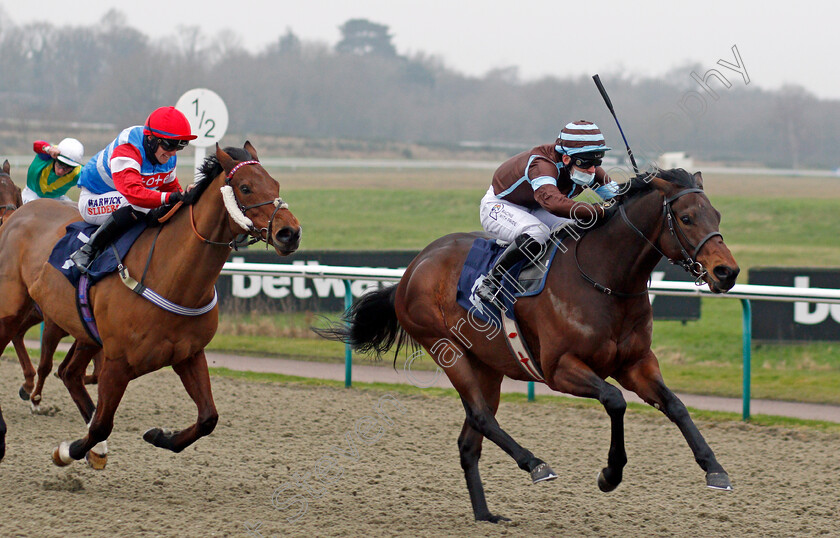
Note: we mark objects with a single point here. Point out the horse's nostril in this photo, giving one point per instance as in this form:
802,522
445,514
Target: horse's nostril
726,273
287,234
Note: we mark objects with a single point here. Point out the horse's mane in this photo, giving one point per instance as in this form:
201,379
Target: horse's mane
641,183
210,170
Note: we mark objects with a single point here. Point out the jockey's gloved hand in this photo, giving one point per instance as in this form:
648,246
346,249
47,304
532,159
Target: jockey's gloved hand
153,216
174,197
589,216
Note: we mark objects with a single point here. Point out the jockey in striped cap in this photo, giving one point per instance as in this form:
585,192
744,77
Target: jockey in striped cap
532,193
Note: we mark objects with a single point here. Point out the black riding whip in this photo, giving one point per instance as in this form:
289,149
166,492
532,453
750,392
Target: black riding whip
606,97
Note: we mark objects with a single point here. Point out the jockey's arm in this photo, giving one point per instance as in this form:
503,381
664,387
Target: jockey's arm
555,202
543,176
125,171
43,148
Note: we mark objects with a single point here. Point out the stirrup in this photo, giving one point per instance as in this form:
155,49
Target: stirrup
486,291
82,260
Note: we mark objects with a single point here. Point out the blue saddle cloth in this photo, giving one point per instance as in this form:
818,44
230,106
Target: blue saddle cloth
480,260
106,263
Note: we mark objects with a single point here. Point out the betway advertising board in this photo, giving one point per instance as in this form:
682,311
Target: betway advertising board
239,293
795,322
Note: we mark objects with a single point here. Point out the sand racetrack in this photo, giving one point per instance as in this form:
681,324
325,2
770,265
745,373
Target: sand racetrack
398,479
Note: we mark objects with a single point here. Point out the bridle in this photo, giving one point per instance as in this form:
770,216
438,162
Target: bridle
237,212
7,207
4,209
688,262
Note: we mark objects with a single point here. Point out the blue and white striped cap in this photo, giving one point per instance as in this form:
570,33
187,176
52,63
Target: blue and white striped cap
581,137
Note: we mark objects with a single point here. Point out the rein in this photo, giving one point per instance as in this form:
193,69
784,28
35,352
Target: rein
688,262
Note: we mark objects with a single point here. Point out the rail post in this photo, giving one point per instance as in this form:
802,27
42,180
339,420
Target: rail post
530,391
747,352
348,351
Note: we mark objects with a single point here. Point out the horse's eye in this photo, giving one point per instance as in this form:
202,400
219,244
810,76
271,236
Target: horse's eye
244,189
685,219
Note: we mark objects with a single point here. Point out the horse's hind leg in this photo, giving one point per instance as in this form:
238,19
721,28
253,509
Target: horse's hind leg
72,371
573,377
479,390
97,366
112,384
196,379
645,379
26,366
49,342
469,446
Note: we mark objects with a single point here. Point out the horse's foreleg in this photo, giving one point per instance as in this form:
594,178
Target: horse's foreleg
49,342
645,379
574,377
113,382
196,379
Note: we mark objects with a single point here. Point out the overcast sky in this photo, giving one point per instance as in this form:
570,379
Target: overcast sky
779,42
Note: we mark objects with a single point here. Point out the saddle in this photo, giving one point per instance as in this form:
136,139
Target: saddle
530,277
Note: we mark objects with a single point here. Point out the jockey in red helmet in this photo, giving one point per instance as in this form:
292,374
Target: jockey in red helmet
133,175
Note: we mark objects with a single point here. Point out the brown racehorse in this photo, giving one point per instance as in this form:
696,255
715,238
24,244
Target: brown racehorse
579,334
10,200
235,196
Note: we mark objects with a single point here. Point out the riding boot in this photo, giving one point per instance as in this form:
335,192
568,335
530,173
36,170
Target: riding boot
514,253
117,222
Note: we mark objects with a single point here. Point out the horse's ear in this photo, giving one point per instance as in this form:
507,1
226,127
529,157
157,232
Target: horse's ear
251,151
698,177
6,166
225,160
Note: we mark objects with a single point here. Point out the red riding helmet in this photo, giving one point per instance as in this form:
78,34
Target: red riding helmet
168,122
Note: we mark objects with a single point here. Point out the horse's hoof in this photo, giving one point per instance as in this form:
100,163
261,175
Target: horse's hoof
490,518
34,408
152,435
23,394
718,481
61,454
96,461
604,484
541,473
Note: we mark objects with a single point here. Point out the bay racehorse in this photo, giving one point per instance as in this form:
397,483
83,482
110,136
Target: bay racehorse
593,320
10,200
180,261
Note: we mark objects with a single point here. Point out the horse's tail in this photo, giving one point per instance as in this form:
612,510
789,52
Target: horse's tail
370,325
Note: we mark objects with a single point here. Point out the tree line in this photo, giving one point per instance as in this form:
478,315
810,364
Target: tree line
361,88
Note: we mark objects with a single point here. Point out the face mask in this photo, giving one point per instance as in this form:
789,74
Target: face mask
582,178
